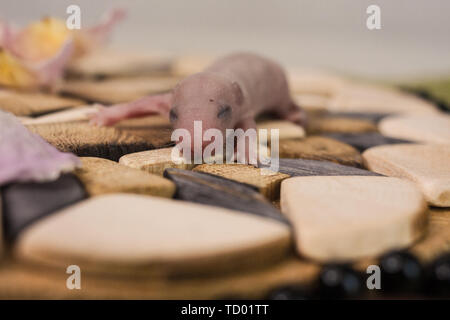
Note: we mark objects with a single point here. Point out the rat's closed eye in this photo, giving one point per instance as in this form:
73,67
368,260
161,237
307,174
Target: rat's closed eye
224,111
173,115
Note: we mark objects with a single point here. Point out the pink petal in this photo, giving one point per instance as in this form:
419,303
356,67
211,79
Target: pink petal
25,156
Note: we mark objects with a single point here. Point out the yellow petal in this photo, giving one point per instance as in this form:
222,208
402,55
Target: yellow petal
13,73
41,40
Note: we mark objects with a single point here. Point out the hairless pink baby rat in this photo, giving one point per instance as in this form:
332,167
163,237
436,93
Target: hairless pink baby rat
229,94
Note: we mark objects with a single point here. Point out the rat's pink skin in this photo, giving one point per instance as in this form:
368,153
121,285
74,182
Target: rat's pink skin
227,95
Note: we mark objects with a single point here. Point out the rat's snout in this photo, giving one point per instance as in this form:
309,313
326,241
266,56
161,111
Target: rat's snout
196,135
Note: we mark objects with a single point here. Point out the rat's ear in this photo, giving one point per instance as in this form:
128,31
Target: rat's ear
238,92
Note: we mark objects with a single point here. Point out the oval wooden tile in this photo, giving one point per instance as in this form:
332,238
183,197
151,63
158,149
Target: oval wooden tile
372,117
33,104
304,167
73,114
185,65
113,63
314,82
103,142
421,128
101,176
363,141
25,203
312,103
142,234
320,148
154,161
323,124
376,99
345,218
437,240
267,182
113,91
288,130
426,165
20,281
214,190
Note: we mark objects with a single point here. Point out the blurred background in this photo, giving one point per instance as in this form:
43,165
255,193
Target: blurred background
413,41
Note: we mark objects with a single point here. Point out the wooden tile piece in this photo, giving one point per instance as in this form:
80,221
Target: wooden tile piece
101,176
376,99
421,128
214,190
26,203
112,91
363,141
318,125
345,218
267,182
312,103
437,240
321,148
109,63
20,281
314,82
124,233
186,65
154,161
288,130
426,165
434,243
304,167
103,142
69,115
371,116
33,104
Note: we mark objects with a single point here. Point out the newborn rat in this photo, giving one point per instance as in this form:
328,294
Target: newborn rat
229,94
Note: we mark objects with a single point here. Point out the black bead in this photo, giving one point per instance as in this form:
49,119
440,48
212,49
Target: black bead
289,292
339,282
438,276
401,272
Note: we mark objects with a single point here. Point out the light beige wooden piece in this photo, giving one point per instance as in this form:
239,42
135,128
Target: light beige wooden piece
33,103
312,102
118,90
107,62
155,161
149,235
345,218
73,114
101,176
316,82
426,165
377,99
287,130
420,128
188,64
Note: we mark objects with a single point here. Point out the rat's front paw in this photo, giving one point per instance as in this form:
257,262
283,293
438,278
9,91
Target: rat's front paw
100,118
